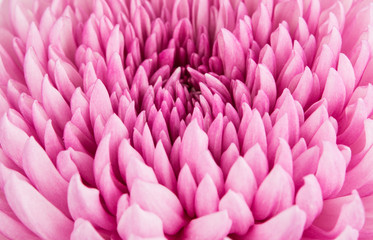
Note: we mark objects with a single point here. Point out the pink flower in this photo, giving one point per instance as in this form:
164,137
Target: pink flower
186,119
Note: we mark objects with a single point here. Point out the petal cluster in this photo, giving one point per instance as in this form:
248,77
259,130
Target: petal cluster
186,119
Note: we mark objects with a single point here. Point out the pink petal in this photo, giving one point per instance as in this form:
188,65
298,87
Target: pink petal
275,194
36,212
257,160
186,189
43,174
83,230
161,201
212,226
163,168
241,179
255,134
34,74
140,223
261,24
126,153
100,102
288,225
309,198
230,51
13,229
337,214
54,104
85,203
331,170
12,140
207,198
238,211
139,170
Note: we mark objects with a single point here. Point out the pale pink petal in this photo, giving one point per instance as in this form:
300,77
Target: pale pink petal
36,212
309,198
140,223
155,198
288,224
275,194
186,188
212,226
206,198
85,203
238,212
83,230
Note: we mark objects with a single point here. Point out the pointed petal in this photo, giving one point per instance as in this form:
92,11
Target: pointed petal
207,198
161,201
85,203
275,194
36,212
212,226
288,224
238,211
140,223
83,230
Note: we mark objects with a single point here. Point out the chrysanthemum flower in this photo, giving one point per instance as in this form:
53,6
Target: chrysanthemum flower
186,119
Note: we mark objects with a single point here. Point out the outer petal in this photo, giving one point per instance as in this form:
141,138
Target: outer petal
44,175
213,226
83,230
36,212
238,211
85,203
207,198
288,225
161,201
275,194
140,223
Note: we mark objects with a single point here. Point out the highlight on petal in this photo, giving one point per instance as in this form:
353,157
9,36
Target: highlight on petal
212,226
155,198
287,224
136,221
36,212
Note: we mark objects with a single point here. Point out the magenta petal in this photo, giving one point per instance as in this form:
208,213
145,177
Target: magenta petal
288,225
83,230
212,226
37,213
155,198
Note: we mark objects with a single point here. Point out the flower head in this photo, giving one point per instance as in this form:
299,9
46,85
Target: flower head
186,119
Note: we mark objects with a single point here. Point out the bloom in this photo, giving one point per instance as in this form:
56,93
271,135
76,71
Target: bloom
186,119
